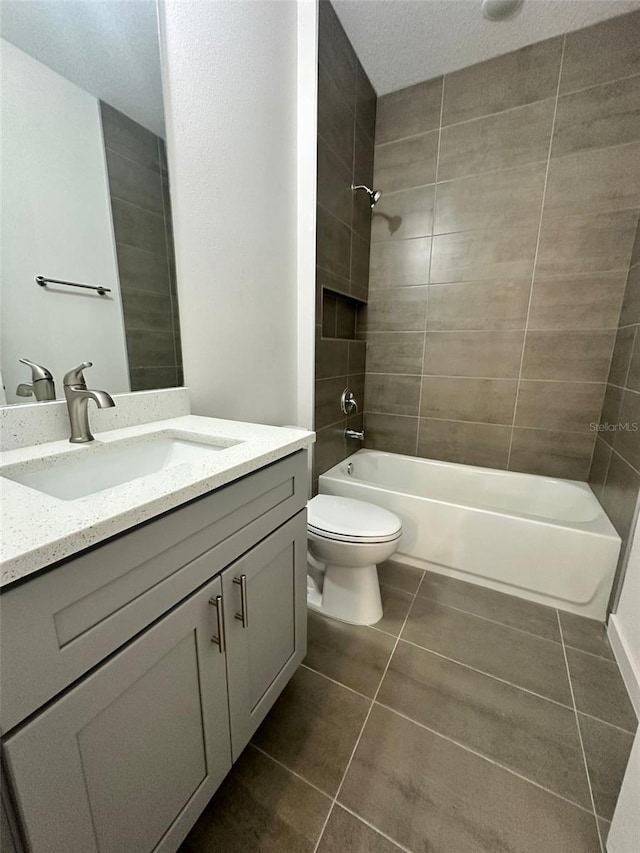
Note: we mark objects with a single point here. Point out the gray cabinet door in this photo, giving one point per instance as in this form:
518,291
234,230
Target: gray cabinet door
265,611
126,760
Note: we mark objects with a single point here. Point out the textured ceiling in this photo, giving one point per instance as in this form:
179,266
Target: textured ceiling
107,47
401,42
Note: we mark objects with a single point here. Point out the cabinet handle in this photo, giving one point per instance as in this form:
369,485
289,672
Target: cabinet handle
243,616
219,640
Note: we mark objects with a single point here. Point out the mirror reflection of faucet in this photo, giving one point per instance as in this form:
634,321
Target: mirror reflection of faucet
42,386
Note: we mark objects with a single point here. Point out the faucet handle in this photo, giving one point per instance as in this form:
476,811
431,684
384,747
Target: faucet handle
76,376
37,370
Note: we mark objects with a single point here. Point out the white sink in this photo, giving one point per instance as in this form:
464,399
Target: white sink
95,468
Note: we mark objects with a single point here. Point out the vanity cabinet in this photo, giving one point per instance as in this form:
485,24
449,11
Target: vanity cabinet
125,758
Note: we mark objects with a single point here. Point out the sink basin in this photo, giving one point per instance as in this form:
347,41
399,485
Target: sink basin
93,469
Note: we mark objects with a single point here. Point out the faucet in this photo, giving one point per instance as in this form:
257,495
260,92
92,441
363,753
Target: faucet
41,386
78,396
354,433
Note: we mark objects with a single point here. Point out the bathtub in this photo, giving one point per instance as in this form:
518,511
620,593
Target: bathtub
539,538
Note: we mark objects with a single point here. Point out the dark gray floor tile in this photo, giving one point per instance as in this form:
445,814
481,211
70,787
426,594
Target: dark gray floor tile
429,794
588,635
607,750
395,605
354,655
506,609
406,578
533,737
599,690
344,832
313,727
261,808
521,659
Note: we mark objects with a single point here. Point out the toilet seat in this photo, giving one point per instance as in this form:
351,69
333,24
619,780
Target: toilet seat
348,520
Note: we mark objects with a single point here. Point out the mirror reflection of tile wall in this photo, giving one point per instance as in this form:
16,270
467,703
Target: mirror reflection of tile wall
141,210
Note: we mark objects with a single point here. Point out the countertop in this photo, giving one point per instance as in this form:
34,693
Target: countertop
38,530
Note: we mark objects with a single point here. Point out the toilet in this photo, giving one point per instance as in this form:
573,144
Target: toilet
346,540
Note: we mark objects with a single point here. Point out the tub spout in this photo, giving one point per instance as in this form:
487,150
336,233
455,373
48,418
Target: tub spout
354,433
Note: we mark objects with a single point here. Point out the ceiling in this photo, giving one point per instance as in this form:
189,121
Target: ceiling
109,48
401,42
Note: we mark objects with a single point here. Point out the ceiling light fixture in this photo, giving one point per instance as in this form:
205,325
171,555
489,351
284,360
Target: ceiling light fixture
500,10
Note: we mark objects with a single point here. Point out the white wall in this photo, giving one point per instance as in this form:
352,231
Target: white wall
231,93
56,222
624,624
624,835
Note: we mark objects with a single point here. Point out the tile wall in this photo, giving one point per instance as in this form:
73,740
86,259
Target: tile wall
346,125
141,210
500,251
615,469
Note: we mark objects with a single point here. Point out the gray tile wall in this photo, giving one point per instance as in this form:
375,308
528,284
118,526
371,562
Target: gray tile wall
141,210
499,255
346,127
615,468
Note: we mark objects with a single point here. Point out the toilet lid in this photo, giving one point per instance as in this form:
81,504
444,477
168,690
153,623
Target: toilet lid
351,520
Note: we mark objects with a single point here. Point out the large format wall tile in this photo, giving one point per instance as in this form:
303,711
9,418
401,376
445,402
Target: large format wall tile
409,111
493,304
589,301
387,394
594,181
571,406
335,53
402,215
490,201
495,355
511,80
578,356
394,264
499,141
470,255
606,51
587,243
468,443
406,163
502,243
491,401
392,433
598,117
335,119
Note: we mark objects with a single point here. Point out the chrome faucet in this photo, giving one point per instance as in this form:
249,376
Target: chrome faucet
78,396
354,433
41,387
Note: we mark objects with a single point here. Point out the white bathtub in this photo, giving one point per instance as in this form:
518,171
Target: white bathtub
536,537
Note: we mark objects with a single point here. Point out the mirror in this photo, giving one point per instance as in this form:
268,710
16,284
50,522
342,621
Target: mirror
85,198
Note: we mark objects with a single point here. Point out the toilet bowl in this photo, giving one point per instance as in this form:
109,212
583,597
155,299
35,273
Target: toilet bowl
346,540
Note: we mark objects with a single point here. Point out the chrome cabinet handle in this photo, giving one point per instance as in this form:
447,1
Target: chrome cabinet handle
220,639
243,616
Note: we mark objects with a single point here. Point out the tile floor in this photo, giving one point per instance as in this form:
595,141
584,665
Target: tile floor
465,721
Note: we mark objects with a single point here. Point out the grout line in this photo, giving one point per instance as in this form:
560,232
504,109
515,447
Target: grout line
606,723
484,757
535,257
584,756
355,747
333,680
433,222
375,828
289,770
516,107
487,674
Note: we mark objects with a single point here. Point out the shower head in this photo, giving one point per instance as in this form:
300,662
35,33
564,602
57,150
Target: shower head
374,195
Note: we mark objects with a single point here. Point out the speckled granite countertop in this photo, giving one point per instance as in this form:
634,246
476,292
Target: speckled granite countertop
38,530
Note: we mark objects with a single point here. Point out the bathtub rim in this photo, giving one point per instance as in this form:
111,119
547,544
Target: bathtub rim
600,526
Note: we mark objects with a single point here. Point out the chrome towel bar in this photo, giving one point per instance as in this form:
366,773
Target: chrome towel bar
43,282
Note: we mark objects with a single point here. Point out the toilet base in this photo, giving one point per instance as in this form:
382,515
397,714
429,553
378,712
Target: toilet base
348,594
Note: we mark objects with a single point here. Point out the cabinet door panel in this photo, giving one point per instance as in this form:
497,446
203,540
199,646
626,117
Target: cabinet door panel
125,761
263,654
